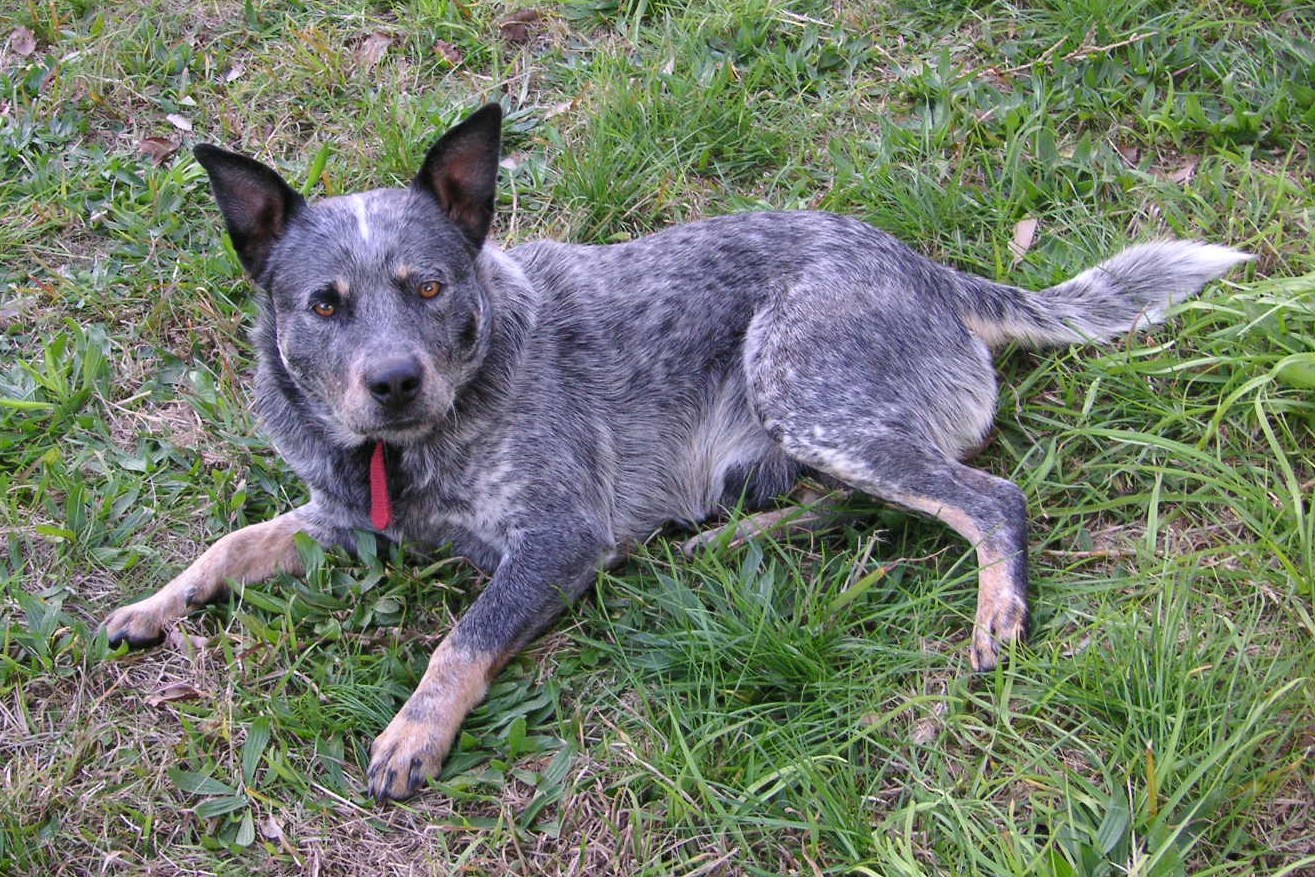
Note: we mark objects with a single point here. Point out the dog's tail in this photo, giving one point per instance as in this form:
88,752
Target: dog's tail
1133,289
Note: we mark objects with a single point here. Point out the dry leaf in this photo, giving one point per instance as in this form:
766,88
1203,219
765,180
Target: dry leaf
172,692
515,29
1184,174
448,52
159,149
371,50
271,829
1024,235
182,123
22,41
557,109
924,732
1081,647
928,728
234,72
1181,175
185,642
11,312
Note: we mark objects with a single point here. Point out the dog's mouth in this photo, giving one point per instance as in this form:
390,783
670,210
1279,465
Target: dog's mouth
399,430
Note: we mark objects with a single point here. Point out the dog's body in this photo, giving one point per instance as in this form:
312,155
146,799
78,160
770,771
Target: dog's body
539,409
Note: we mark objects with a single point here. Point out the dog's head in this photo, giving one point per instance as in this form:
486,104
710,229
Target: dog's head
374,305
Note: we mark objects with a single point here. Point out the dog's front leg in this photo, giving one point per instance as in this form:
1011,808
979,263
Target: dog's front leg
248,555
532,585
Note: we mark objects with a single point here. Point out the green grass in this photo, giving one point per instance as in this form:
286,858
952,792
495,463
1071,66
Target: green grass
795,707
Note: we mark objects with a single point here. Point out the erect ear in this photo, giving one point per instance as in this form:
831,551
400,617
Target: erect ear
257,204
461,171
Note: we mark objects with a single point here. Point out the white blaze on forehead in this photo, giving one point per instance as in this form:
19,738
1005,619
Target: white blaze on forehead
362,218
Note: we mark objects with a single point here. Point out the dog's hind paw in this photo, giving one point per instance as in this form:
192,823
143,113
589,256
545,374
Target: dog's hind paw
999,623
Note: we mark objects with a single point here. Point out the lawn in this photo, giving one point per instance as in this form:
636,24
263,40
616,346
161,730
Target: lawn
792,706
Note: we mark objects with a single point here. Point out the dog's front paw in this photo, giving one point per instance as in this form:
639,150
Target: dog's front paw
410,751
407,755
1000,621
138,624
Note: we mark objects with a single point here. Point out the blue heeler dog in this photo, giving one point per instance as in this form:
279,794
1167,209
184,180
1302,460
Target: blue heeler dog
541,408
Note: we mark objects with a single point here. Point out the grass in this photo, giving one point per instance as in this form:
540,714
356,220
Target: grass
794,707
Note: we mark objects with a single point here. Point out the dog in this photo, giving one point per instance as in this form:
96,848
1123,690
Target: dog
541,408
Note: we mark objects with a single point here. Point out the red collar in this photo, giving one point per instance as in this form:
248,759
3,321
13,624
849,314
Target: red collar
381,504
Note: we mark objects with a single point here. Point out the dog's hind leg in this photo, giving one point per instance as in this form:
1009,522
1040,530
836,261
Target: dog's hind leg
990,512
248,555
864,374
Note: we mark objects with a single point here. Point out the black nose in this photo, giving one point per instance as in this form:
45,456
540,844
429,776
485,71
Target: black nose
394,383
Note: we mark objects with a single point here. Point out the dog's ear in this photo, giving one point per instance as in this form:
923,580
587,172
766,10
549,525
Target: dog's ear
257,204
461,171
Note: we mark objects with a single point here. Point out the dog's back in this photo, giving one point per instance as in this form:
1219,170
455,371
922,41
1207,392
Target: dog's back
652,334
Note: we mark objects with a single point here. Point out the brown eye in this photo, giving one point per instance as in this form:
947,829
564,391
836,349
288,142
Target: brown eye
324,308
430,288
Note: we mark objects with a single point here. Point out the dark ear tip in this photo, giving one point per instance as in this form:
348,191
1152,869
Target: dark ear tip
207,153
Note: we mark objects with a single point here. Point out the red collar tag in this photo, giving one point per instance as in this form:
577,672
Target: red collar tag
381,504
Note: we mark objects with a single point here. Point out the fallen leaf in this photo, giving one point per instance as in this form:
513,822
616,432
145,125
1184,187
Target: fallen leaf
182,123
1184,174
557,109
1081,647
1181,175
448,52
1024,235
172,692
924,732
186,642
158,149
371,50
515,29
216,727
234,72
11,313
23,41
271,829
525,16
928,728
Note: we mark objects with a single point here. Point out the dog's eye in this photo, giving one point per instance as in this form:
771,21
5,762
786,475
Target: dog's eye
324,308
430,288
